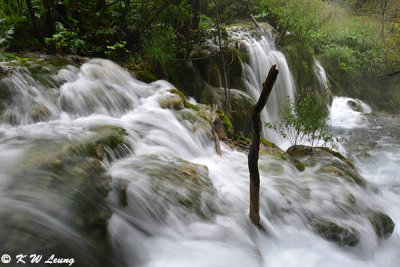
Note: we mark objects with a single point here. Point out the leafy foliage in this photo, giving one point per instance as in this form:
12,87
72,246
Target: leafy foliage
6,32
159,45
300,17
65,41
304,121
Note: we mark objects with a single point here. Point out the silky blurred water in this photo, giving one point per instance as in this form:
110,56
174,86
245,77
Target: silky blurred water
158,227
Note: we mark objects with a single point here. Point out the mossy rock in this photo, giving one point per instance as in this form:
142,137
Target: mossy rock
214,77
145,75
272,149
41,113
382,223
331,162
185,103
198,121
106,137
354,105
269,149
69,185
187,78
235,68
172,102
299,151
241,106
343,236
176,183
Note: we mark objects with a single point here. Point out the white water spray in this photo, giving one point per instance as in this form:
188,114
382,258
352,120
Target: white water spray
347,113
263,54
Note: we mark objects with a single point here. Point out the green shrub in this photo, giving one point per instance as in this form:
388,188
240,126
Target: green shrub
304,121
342,58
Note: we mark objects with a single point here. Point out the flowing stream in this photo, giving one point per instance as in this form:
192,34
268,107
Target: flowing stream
174,201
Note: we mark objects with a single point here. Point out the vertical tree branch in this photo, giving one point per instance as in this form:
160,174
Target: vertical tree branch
255,146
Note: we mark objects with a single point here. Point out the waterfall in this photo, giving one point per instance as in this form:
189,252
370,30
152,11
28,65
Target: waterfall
173,201
321,75
263,54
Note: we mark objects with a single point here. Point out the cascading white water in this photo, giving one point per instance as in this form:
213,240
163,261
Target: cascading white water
263,54
347,112
321,75
201,221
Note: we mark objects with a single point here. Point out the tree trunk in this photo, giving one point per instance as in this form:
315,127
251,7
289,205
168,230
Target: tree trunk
255,146
49,25
34,21
196,14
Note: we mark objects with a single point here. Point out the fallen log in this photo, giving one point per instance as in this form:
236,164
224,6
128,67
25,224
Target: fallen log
255,21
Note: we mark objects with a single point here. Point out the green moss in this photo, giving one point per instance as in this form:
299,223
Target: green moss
300,57
185,103
145,76
266,142
108,137
299,151
226,123
338,155
172,102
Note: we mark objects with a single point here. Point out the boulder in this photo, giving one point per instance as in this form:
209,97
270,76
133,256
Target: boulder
172,102
382,223
343,236
272,149
68,184
41,113
177,184
354,105
330,162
